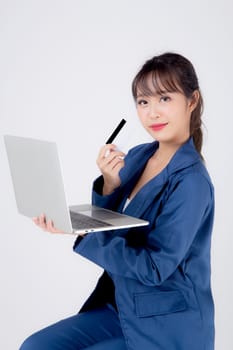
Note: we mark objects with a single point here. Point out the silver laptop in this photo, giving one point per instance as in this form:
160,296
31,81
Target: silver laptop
38,186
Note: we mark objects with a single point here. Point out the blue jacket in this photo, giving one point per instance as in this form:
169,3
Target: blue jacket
161,273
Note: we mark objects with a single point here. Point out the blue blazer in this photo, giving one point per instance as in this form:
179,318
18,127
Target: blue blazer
161,273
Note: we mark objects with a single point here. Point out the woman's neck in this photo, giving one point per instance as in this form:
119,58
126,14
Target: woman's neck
165,152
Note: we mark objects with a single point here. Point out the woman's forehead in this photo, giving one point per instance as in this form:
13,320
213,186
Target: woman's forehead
155,83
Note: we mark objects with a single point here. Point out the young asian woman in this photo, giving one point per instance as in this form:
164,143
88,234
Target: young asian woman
155,291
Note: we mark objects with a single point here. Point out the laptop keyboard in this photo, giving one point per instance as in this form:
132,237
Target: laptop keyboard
81,221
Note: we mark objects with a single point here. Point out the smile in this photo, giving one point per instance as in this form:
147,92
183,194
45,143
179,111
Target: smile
157,127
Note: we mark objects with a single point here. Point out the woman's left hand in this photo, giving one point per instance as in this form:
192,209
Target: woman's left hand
110,161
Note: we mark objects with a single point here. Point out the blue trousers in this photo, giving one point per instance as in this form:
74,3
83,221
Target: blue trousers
91,330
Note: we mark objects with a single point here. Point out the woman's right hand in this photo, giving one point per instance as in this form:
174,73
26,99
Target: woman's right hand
110,161
46,225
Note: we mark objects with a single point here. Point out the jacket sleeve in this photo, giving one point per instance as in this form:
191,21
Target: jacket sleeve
182,217
110,201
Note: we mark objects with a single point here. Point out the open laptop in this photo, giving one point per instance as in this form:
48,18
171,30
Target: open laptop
38,186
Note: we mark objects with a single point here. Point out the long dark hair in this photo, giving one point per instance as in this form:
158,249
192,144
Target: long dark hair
174,73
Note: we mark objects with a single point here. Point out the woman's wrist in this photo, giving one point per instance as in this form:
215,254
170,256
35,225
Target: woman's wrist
107,190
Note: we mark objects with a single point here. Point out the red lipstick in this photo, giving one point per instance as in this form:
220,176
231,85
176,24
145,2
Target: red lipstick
157,127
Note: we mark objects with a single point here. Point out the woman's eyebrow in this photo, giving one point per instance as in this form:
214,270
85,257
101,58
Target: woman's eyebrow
141,95
159,93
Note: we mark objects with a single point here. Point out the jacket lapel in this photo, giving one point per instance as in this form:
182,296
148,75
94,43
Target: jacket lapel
185,156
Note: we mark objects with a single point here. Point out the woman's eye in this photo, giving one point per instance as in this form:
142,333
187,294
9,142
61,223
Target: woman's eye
165,98
141,102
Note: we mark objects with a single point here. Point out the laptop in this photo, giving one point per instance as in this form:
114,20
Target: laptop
38,186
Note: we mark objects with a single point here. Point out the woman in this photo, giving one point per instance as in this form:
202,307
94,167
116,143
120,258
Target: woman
155,291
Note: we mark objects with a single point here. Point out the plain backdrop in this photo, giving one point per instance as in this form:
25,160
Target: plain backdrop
66,68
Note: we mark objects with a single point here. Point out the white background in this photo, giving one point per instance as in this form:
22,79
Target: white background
65,75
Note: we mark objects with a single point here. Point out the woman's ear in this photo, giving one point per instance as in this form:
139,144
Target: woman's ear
194,100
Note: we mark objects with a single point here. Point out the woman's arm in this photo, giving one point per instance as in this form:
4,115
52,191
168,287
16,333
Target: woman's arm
183,216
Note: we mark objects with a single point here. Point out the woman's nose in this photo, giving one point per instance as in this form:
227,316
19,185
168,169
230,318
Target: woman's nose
154,111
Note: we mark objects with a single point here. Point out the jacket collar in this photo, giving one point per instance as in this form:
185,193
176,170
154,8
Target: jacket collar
184,157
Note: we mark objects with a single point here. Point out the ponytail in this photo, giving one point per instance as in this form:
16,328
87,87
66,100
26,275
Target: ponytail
196,125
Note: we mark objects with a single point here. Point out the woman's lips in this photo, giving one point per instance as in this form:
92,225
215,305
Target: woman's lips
157,127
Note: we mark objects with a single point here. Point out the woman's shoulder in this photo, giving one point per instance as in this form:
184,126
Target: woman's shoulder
187,163
194,178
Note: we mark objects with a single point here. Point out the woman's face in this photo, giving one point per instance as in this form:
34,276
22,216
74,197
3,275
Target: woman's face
166,116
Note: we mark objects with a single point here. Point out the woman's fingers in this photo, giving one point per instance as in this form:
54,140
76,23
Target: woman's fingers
42,222
46,225
51,228
106,149
109,151
109,164
35,220
110,161
109,156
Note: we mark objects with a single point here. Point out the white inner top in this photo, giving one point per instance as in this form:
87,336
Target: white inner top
126,204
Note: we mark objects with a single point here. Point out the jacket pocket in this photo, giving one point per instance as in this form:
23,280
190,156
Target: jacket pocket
159,303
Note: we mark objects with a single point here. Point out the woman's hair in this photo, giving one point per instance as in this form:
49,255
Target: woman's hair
172,72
